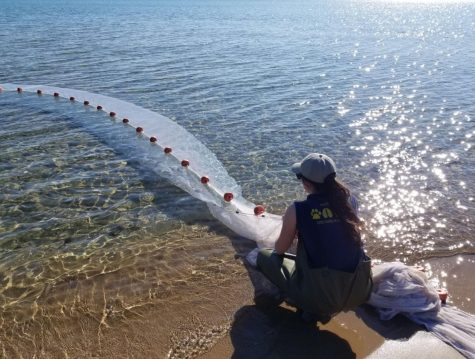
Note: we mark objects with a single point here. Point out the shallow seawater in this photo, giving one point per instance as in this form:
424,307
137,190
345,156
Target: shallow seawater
385,88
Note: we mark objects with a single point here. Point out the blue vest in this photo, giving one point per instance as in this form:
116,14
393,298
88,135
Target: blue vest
323,236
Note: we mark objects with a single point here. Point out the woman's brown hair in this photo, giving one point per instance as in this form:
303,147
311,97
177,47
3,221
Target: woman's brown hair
338,196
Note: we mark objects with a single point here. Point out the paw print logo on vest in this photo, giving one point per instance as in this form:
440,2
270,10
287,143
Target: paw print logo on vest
316,214
325,213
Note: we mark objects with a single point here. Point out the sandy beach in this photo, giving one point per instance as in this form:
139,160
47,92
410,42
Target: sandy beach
139,139
278,333
207,311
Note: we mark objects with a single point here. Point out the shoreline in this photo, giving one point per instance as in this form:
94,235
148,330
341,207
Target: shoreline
278,333
209,314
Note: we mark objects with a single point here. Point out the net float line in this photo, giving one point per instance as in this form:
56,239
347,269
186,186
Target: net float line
443,295
226,205
184,163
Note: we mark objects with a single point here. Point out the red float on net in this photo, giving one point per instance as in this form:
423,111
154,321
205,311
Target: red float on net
167,150
112,114
185,163
19,89
204,179
86,103
125,120
56,94
139,130
71,98
259,209
39,92
228,196
99,107
153,139
443,294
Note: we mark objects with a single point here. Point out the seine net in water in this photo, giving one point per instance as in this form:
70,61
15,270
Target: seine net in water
175,154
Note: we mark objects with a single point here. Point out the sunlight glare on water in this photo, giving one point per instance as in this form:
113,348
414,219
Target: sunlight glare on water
385,88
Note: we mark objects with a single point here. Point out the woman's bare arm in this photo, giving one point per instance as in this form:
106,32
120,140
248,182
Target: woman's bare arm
288,232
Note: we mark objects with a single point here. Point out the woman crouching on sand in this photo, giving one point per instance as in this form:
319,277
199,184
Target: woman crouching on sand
330,272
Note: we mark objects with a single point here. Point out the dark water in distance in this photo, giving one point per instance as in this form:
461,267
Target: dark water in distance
386,89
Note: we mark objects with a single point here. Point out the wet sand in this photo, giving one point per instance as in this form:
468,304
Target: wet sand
192,298
278,333
169,298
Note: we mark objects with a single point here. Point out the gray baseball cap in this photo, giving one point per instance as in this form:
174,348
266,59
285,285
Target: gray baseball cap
315,167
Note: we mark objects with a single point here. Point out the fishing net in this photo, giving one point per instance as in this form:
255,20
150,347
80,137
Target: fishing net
175,154
401,289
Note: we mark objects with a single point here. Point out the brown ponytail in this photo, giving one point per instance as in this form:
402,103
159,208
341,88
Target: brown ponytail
338,197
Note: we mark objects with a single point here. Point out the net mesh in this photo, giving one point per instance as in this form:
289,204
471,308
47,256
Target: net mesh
398,288
237,214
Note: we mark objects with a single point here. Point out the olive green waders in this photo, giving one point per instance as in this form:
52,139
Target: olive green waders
318,291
